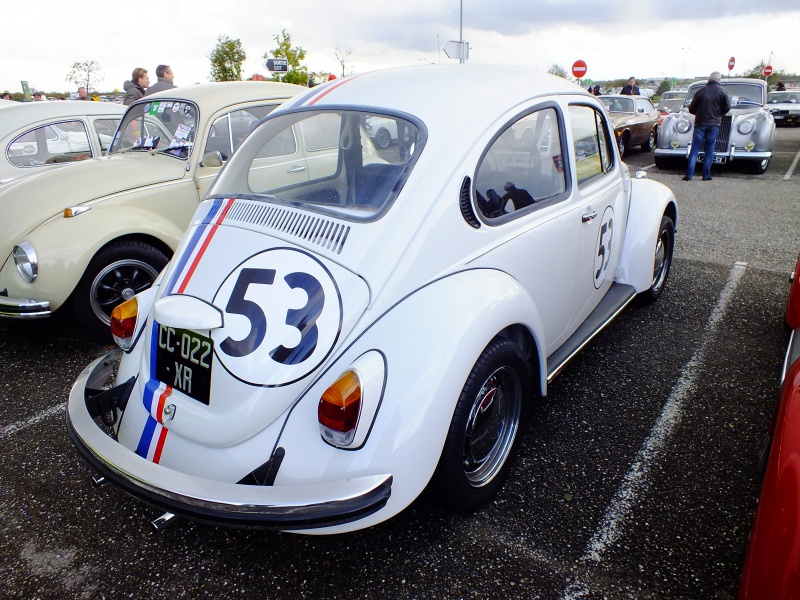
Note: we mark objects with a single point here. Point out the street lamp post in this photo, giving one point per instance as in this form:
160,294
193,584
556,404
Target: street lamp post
683,67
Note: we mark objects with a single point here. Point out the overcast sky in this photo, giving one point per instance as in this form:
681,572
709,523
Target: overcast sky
41,39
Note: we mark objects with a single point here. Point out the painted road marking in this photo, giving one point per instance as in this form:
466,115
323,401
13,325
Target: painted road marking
637,479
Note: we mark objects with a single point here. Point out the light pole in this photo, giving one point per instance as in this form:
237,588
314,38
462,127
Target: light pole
461,30
683,67
769,62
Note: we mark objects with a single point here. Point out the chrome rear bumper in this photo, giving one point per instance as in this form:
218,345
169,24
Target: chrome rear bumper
294,507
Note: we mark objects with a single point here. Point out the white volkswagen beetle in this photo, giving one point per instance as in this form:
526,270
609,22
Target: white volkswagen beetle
334,335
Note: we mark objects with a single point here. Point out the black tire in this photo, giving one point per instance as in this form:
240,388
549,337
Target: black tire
664,162
382,138
622,144
116,273
662,259
483,434
650,143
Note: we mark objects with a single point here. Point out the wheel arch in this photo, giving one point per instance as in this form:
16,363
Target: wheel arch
650,201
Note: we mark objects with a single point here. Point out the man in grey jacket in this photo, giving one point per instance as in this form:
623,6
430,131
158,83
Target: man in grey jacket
165,78
708,106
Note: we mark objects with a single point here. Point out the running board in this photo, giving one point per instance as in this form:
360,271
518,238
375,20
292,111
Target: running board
618,297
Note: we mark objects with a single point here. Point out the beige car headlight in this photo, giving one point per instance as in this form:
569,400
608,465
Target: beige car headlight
26,260
683,126
746,127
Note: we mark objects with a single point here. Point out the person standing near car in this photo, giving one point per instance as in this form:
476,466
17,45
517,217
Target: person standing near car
630,89
134,89
708,106
165,78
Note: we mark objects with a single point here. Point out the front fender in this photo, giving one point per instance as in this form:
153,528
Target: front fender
65,246
430,341
650,201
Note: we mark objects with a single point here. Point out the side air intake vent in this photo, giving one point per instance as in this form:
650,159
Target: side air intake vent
466,205
323,232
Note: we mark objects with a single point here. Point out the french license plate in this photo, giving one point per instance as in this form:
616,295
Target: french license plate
778,116
183,361
718,160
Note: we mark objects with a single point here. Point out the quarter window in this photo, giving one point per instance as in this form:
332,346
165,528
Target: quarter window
523,167
591,143
62,142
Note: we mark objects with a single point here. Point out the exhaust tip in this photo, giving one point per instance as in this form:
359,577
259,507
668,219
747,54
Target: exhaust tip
164,521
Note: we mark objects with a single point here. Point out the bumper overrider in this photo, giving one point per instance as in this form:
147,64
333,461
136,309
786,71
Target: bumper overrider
293,507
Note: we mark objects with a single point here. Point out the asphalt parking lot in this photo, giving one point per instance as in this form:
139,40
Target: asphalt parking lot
638,476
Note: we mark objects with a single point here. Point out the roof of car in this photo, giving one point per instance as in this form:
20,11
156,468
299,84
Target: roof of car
20,114
728,80
215,96
439,94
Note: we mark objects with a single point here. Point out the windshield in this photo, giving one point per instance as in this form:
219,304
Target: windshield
349,163
741,94
167,126
776,97
616,104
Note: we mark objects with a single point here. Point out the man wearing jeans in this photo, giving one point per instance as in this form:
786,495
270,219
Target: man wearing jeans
708,106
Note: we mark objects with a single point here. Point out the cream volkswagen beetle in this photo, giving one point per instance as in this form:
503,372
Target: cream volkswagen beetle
321,350
100,231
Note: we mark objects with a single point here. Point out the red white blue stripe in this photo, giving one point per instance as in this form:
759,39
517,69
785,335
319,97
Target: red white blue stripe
156,393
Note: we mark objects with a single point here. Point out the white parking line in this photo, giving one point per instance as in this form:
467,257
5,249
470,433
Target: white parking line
791,169
637,479
20,425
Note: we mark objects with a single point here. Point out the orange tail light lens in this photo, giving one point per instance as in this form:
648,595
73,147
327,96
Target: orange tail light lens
339,409
123,323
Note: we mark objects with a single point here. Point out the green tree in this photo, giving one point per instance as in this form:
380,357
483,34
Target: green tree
296,74
757,72
664,86
557,70
227,59
85,74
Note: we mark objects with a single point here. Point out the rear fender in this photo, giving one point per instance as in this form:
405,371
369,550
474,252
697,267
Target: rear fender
430,342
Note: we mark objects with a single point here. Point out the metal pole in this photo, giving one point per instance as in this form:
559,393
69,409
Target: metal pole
461,31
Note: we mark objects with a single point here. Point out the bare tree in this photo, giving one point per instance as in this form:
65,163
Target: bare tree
343,54
558,70
85,74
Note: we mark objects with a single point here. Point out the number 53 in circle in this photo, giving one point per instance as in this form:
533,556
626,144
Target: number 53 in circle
283,315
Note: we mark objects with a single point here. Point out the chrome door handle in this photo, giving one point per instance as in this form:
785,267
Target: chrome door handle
296,169
588,217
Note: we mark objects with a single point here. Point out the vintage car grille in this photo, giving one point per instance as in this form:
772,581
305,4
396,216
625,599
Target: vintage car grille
326,233
724,135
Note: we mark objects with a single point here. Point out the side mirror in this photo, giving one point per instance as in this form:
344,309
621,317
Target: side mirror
212,159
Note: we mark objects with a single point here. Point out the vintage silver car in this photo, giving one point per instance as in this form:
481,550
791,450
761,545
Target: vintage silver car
785,107
746,134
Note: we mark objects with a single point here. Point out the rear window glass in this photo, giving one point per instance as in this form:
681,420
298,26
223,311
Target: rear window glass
325,160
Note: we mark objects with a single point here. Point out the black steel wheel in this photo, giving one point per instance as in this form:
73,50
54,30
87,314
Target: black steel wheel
483,434
115,274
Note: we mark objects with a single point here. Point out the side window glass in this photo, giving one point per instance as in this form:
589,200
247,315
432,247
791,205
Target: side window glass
219,137
524,166
590,142
282,144
321,131
244,121
50,144
105,129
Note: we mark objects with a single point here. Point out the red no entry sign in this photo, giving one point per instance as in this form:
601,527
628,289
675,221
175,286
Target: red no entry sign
731,62
768,70
579,69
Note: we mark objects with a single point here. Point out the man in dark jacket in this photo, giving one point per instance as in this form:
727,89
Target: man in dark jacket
631,89
708,107
165,79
